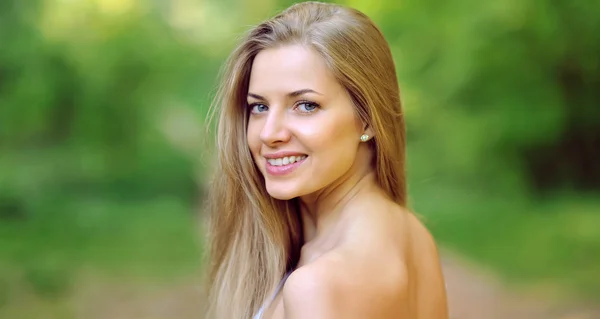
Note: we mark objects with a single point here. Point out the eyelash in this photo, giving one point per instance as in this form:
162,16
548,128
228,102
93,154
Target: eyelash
316,106
251,107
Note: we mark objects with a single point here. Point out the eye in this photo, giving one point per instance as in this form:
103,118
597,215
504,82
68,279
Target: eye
307,107
258,108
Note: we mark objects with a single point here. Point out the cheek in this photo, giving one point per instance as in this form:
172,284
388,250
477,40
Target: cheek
329,133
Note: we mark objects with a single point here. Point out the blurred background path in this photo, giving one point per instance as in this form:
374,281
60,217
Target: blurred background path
476,294
472,294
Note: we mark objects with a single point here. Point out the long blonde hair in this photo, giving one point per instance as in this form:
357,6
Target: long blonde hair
254,239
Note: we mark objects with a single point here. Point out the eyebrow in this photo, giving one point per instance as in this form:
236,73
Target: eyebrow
291,94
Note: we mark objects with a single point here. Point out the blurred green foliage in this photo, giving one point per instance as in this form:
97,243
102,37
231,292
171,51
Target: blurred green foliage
102,108
503,86
88,174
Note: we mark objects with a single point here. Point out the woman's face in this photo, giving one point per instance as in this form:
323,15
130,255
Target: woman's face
302,131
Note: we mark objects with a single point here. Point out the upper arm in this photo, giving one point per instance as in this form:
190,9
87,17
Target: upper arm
320,292
305,296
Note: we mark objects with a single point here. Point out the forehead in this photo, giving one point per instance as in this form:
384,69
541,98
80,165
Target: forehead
288,68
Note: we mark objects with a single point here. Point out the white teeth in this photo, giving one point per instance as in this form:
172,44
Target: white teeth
285,160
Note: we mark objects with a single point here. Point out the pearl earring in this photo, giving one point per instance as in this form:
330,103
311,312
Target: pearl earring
364,138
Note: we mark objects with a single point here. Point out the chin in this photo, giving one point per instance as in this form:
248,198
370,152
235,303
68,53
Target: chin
282,192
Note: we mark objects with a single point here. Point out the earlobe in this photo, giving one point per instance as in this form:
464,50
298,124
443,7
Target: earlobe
367,135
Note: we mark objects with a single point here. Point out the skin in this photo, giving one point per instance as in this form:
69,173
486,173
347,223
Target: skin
364,256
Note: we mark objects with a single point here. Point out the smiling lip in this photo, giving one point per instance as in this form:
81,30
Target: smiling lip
283,169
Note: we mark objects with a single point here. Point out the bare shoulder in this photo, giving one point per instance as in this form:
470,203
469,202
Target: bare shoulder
422,248
335,287
388,267
398,232
423,261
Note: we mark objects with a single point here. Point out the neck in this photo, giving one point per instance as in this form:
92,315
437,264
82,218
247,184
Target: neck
322,211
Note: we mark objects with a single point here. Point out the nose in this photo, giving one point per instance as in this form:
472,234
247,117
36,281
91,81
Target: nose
275,129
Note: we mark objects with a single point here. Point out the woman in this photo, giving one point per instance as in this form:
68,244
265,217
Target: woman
308,206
